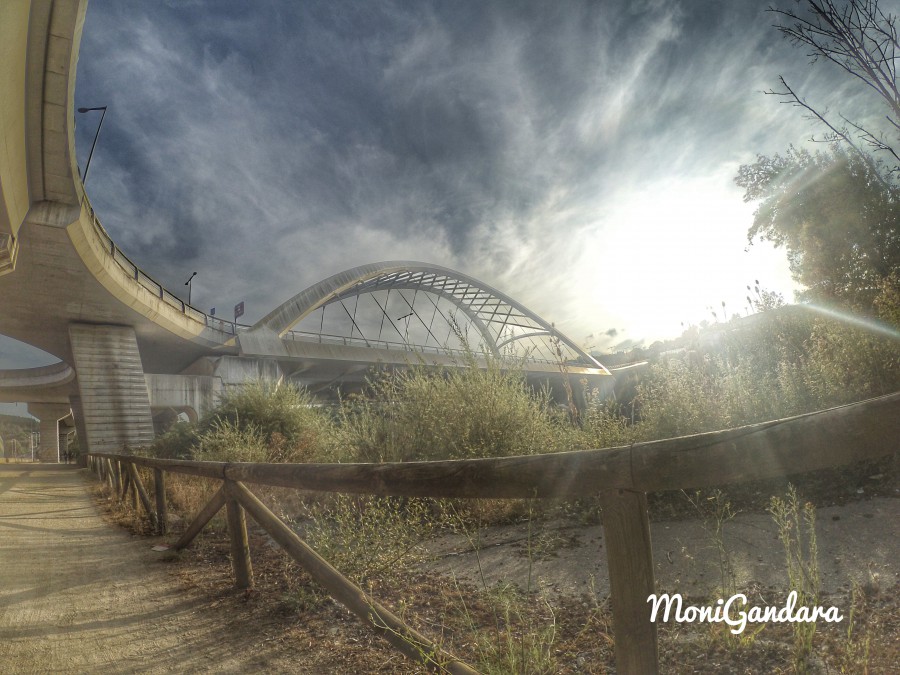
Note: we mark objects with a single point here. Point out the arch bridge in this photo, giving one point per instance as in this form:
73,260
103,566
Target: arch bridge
415,307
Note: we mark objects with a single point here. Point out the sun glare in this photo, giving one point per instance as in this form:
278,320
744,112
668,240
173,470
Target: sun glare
867,324
673,253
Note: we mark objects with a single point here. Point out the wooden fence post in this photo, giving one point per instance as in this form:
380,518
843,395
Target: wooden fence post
125,481
141,492
237,533
201,519
114,478
122,477
159,488
130,475
629,557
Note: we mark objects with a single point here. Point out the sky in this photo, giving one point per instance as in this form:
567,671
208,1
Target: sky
577,155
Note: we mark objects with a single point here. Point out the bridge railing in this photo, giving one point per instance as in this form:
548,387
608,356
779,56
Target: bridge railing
621,477
149,283
353,341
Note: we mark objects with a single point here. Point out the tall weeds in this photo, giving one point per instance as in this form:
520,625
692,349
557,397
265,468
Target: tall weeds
783,364
797,530
460,412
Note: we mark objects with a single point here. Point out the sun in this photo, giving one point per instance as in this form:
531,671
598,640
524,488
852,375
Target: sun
670,255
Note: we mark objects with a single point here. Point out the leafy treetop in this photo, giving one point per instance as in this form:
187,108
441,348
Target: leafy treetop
834,213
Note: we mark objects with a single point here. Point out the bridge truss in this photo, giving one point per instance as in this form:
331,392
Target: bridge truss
421,307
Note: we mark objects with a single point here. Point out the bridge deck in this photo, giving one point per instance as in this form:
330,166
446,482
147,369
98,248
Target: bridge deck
78,595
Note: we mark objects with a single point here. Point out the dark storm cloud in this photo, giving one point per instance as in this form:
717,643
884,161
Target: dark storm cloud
270,144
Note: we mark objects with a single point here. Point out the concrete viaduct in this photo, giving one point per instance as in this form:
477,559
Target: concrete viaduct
129,349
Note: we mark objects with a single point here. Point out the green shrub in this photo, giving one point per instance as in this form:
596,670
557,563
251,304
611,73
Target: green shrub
847,364
283,416
461,412
887,302
796,524
228,441
605,423
177,442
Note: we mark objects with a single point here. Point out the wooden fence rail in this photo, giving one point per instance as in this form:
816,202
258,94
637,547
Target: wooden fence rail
622,477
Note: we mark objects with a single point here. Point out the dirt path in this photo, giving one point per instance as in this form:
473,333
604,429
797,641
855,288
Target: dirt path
78,595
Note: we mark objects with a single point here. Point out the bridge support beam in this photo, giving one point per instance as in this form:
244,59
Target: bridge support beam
111,386
49,415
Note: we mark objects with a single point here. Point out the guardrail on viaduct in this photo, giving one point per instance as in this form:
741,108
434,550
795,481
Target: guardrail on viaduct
622,477
149,283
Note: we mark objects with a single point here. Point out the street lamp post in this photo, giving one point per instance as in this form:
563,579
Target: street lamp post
96,135
188,284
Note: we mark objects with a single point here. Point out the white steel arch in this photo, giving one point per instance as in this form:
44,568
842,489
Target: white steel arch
499,318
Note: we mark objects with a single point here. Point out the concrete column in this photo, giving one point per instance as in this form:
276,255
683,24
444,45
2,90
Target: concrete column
114,402
49,415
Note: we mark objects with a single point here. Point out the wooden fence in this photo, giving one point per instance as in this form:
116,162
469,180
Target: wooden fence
621,477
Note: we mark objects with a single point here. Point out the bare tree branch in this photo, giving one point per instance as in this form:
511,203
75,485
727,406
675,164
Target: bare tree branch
795,100
875,142
862,40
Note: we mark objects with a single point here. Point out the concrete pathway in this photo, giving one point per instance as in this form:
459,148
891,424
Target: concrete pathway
78,595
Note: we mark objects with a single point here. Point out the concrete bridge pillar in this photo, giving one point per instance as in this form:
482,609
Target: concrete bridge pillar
112,391
49,415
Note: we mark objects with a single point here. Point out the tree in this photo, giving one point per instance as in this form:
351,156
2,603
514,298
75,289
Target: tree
837,212
862,40
836,216
14,433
